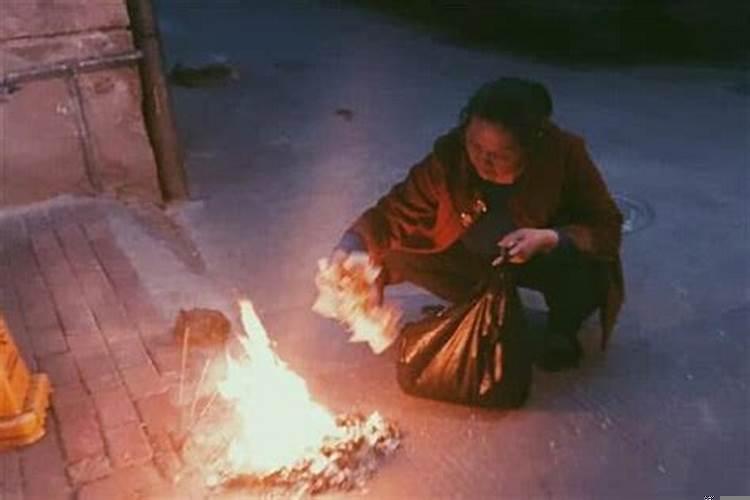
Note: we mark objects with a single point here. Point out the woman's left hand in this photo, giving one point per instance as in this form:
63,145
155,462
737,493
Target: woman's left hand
523,244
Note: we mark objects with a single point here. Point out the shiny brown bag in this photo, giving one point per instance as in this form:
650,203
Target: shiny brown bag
475,353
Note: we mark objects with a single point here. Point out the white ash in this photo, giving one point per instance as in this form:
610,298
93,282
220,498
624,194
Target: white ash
342,462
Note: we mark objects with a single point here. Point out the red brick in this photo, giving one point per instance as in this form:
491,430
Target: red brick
61,369
128,445
95,286
133,292
48,252
72,403
128,287
12,229
91,331
36,303
165,352
98,373
47,487
79,428
128,353
7,295
62,217
81,439
148,319
87,344
74,396
65,290
112,320
18,254
166,340
166,459
89,469
150,322
115,408
97,229
73,310
10,472
160,441
117,328
37,221
132,482
121,274
107,310
143,381
44,468
103,302
114,260
168,465
105,246
159,413
40,315
47,341
77,248
86,212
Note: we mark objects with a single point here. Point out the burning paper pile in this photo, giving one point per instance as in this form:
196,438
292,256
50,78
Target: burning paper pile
344,461
348,293
277,436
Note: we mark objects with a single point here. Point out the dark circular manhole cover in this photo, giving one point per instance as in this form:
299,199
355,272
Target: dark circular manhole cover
637,214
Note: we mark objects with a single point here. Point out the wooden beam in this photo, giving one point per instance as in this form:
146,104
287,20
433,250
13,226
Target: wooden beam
157,103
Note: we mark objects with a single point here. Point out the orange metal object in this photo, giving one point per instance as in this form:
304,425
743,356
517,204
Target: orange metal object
24,397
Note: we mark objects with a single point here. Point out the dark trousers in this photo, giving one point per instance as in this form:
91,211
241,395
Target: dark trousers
570,282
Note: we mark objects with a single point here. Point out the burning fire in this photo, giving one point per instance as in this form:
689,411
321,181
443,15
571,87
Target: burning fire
279,420
348,292
282,437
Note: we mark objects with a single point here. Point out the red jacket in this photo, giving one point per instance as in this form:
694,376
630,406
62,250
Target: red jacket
561,188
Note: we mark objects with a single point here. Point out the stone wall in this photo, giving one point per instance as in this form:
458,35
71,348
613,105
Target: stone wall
81,132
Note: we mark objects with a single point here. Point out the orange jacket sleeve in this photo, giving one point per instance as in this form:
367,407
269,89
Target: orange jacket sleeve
408,211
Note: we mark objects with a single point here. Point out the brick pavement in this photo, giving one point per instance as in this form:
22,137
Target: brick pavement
79,312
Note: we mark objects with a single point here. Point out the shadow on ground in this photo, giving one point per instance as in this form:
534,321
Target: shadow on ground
586,32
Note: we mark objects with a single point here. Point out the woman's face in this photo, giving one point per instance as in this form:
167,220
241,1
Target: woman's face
493,151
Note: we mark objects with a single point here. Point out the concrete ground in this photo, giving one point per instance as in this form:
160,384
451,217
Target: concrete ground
330,107
280,170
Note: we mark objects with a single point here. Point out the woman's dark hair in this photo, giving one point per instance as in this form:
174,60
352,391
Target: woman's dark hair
521,106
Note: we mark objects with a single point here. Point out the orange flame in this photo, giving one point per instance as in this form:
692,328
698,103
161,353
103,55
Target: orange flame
279,423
